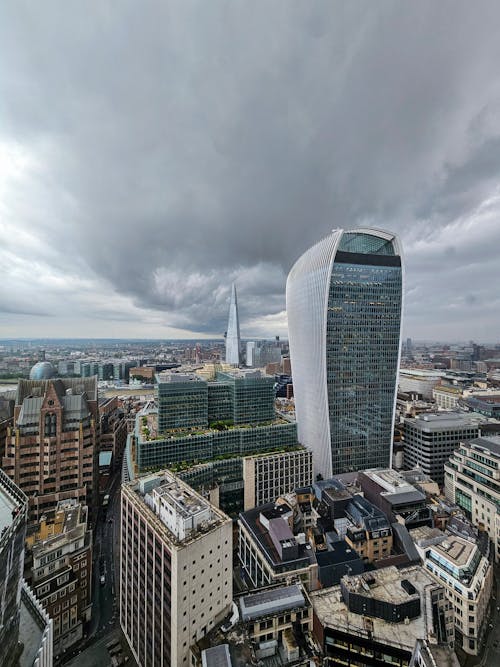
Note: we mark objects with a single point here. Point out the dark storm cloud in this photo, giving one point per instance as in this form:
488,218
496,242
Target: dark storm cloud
176,147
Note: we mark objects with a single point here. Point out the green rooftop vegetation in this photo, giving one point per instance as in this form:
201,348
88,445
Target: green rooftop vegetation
187,465
214,427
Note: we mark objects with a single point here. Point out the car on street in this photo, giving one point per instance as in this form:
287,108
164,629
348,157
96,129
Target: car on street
103,579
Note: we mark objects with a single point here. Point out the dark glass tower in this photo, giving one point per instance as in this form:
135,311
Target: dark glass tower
344,300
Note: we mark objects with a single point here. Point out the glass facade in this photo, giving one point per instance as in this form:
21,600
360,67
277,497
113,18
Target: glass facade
168,451
182,405
344,299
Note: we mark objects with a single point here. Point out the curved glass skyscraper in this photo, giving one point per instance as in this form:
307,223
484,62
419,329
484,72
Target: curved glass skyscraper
344,301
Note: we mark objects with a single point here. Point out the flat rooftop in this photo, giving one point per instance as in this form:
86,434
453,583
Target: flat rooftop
431,421
173,488
185,503
271,601
332,611
491,443
455,549
390,480
384,585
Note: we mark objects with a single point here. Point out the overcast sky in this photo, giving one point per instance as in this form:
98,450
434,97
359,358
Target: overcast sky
153,152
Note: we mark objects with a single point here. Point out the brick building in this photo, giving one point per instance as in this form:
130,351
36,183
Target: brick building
51,448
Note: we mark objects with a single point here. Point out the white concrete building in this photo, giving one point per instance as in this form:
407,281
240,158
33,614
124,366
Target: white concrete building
472,480
467,576
176,569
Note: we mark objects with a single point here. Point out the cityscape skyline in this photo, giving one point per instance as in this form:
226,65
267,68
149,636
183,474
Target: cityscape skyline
238,171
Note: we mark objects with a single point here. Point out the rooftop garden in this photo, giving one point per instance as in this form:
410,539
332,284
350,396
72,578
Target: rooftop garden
181,466
149,428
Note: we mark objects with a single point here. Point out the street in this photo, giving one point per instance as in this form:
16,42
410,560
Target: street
106,563
491,657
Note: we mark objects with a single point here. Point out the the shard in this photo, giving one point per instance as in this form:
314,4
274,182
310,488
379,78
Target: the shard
233,332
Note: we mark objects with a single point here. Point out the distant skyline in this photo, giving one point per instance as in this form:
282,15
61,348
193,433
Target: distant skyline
151,154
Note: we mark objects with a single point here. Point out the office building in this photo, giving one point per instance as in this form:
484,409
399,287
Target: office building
269,552
13,514
375,618
175,569
368,530
487,404
250,355
344,299
61,571
275,628
186,401
458,565
35,632
51,448
472,481
113,428
419,381
447,397
233,331
398,499
274,618
271,475
214,423
430,439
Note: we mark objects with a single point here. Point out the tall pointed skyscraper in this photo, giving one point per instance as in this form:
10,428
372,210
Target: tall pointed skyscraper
233,332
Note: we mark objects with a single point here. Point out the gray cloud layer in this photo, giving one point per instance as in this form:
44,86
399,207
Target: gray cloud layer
153,152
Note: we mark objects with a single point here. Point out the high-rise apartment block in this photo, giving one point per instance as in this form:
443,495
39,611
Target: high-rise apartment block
472,481
233,331
176,569
51,448
430,439
61,573
344,298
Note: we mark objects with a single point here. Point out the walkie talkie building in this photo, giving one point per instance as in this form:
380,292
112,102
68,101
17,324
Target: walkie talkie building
344,302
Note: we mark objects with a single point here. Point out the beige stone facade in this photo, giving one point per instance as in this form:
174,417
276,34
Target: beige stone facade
176,569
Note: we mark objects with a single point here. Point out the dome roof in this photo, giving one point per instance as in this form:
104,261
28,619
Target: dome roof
43,370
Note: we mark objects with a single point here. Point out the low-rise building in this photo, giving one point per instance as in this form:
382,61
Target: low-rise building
113,428
268,550
61,572
175,569
273,617
375,618
399,500
472,481
369,531
447,397
467,576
